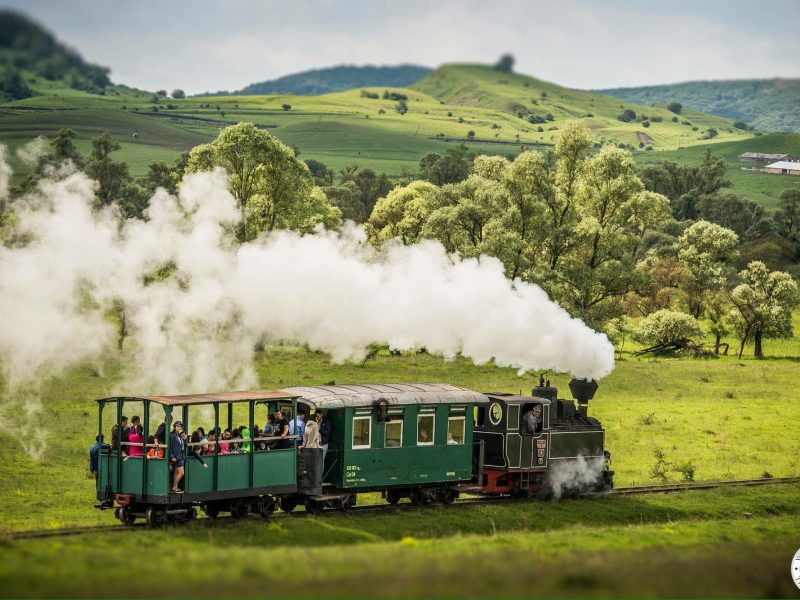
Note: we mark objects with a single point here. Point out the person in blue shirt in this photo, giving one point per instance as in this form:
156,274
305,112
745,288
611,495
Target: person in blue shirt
94,453
177,455
298,425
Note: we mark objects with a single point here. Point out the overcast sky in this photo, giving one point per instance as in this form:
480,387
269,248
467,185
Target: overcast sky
208,45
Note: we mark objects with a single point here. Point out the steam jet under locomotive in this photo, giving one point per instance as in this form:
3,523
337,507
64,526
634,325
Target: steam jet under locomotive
426,442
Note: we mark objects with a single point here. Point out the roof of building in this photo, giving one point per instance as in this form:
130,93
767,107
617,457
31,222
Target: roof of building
784,164
342,396
763,156
244,396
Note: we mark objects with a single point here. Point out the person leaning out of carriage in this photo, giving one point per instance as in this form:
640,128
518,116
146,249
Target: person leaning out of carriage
177,453
311,436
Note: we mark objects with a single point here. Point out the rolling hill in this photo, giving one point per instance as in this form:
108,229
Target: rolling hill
334,79
769,104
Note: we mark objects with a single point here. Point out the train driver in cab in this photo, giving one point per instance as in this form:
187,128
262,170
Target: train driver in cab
532,419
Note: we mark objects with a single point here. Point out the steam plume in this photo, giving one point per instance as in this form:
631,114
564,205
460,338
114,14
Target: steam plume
195,329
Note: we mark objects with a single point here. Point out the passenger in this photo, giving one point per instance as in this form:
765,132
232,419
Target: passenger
298,424
177,452
212,442
225,445
324,431
135,420
244,433
281,431
195,448
311,437
261,446
125,427
270,426
533,419
202,432
125,436
155,451
115,437
94,453
161,434
137,438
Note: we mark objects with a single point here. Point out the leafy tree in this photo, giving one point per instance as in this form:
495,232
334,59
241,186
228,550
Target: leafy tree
471,134
401,106
162,93
627,116
286,106
370,186
450,168
667,330
404,212
154,99
787,217
13,87
745,217
505,64
64,147
320,171
159,175
178,94
706,249
675,107
271,185
111,176
763,304
346,197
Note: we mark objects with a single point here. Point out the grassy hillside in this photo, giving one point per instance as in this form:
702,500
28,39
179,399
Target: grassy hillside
526,97
769,104
336,79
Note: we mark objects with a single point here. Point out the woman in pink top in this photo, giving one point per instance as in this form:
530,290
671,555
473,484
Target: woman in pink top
225,445
136,437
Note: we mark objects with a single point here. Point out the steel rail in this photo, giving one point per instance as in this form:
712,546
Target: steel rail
389,508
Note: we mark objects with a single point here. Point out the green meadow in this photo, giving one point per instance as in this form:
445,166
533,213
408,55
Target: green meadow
725,418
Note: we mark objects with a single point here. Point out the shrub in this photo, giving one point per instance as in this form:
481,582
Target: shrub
627,116
449,113
687,469
370,95
178,94
645,123
460,119
675,107
667,328
710,133
286,106
381,112
656,119
401,107
741,125
549,117
675,119
471,134
162,93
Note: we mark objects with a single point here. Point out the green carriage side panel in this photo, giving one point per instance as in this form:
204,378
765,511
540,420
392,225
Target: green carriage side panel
234,472
409,464
157,475
197,478
275,467
572,444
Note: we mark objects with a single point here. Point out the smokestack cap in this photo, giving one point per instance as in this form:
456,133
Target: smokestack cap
582,390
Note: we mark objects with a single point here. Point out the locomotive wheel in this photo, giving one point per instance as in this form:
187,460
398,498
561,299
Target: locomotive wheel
420,497
393,497
125,516
314,507
189,515
448,496
265,506
211,510
288,503
240,508
155,517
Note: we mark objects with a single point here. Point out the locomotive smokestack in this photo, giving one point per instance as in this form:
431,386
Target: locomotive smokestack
583,390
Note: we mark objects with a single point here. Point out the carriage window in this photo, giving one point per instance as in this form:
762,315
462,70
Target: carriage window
425,428
361,432
455,430
394,434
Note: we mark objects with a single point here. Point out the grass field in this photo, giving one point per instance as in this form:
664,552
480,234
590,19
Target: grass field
726,417
347,128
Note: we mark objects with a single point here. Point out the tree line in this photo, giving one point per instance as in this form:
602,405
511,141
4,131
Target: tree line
654,253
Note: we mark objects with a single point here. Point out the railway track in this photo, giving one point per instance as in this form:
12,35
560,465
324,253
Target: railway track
379,508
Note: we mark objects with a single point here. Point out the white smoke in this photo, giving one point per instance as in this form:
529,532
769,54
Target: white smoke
71,265
31,152
575,476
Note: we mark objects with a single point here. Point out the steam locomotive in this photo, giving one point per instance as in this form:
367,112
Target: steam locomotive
425,442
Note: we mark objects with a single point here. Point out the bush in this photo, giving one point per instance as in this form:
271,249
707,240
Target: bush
162,93
549,117
741,125
710,133
401,107
178,94
645,123
656,119
540,129
471,134
675,107
460,119
667,328
627,116
370,95
449,113
675,119
286,106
